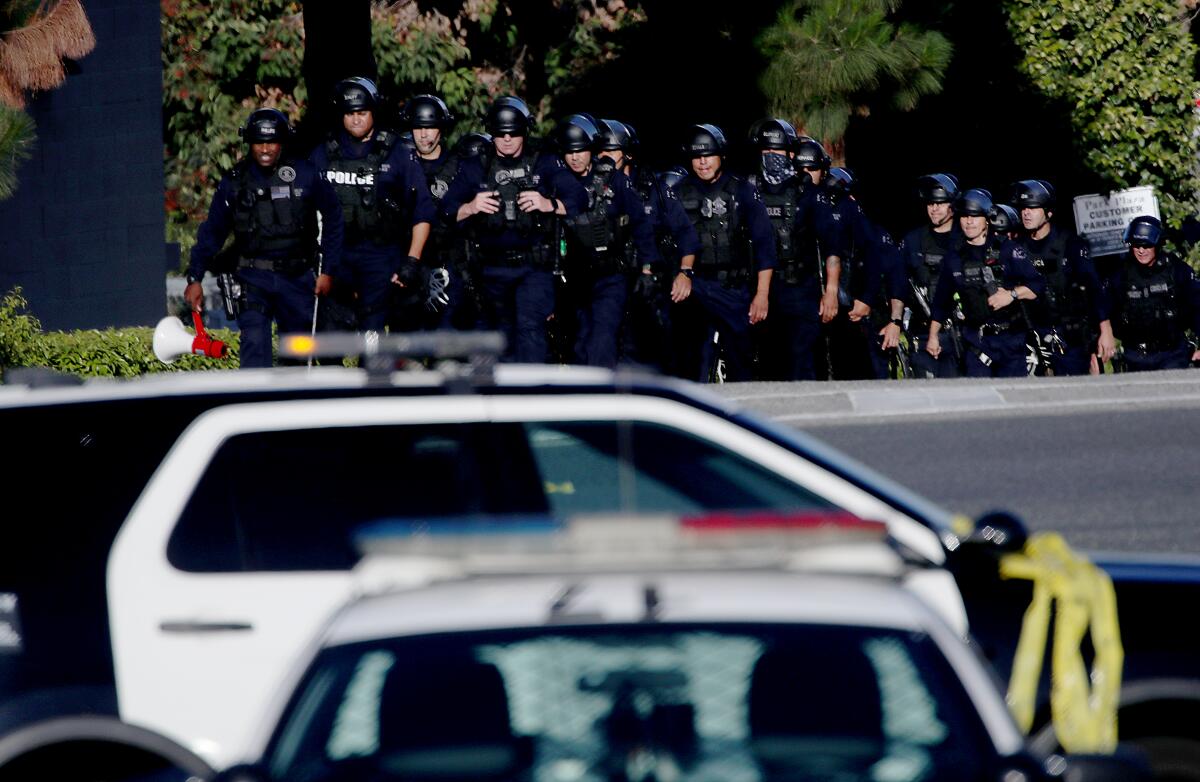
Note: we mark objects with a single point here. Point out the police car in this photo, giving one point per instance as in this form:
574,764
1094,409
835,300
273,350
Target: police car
703,647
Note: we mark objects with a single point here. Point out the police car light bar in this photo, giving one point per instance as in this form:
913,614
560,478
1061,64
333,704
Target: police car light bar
379,353
630,542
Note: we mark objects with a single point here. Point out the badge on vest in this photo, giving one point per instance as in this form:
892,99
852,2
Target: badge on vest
287,174
714,208
439,188
506,175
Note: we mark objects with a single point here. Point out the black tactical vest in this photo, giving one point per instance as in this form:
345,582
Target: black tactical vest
271,218
795,254
930,268
718,226
981,278
370,214
439,181
1064,304
600,236
1149,309
510,177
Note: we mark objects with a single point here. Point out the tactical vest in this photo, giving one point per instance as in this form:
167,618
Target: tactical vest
925,276
510,177
271,218
1064,304
1149,309
795,254
982,278
369,213
599,235
652,192
439,181
723,246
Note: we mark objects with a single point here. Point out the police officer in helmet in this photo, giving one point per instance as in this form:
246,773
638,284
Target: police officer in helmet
1156,299
922,251
806,232
1071,319
270,202
727,290
994,279
600,242
385,206
509,201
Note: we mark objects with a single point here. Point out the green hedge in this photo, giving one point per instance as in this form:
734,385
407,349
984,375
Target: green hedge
93,353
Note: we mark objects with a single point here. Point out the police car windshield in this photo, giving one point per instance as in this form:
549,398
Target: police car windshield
680,702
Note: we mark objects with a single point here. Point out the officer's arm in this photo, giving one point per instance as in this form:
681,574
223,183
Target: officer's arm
943,293
561,185
1026,282
210,237
418,201
761,234
1187,282
333,230
456,203
681,228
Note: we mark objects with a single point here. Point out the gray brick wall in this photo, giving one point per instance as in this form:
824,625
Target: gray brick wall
84,234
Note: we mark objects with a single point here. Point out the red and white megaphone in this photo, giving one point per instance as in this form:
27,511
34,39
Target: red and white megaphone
172,340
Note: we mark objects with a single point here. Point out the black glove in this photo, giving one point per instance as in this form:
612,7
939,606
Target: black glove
646,286
410,273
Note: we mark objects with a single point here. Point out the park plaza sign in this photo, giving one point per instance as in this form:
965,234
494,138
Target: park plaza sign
1102,220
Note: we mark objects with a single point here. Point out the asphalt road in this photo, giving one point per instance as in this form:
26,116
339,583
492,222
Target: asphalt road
1113,462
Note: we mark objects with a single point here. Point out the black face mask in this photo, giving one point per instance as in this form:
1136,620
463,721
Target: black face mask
777,169
603,166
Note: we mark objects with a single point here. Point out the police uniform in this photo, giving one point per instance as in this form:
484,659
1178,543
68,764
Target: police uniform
600,243
516,250
854,354
1153,307
994,340
736,243
447,249
1068,316
273,216
382,194
921,253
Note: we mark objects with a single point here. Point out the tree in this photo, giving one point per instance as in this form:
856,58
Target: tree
830,60
1127,68
35,36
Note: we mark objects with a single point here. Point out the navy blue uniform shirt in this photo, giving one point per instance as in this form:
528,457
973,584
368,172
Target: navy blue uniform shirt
1080,268
554,181
752,215
666,214
308,186
816,212
1018,270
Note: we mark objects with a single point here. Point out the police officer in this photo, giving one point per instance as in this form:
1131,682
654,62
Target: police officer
803,222
270,203
873,279
509,201
600,242
648,323
385,206
1005,221
1156,299
728,287
428,117
922,252
994,279
1071,318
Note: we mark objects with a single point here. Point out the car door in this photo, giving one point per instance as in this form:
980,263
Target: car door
239,549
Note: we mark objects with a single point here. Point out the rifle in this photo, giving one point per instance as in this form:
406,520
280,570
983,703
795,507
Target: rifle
949,328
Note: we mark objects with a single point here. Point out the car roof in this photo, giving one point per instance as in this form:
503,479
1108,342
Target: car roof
493,602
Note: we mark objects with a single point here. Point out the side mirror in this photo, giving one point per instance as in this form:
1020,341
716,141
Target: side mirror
999,531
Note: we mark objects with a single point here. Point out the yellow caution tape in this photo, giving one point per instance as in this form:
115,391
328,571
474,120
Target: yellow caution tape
1083,704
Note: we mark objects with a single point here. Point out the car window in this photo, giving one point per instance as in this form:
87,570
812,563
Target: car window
681,702
602,466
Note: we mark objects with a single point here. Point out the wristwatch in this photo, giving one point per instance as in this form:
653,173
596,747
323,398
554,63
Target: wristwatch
898,322
1013,292
688,272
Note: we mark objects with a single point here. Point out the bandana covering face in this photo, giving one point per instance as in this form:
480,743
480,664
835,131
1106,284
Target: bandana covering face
777,169
603,165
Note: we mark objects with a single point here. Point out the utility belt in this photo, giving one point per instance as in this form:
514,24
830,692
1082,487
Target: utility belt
727,277
603,264
540,256
994,329
287,266
795,272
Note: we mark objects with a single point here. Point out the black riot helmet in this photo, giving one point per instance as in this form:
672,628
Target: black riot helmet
576,133
672,177
426,111
840,181
704,140
1033,194
472,145
266,126
1003,219
356,94
1145,230
773,133
508,115
974,202
810,153
937,189
615,135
